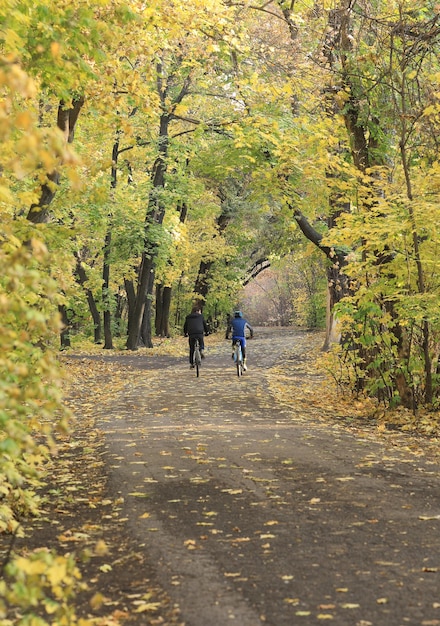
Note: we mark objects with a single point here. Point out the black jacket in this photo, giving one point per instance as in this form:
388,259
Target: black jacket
195,325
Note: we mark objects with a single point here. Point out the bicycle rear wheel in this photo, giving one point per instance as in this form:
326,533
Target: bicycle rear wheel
197,360
239,360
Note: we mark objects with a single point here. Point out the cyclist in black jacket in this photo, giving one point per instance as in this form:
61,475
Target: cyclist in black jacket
195,328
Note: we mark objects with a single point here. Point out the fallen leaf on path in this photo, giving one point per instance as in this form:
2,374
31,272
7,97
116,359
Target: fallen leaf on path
147,606
101,548
96,601
106,568
303,613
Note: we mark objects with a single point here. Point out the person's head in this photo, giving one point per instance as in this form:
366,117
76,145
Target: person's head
196,309
238,314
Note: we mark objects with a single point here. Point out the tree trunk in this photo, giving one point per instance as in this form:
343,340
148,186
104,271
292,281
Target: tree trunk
82,279
119,312
66,120
131,302
39,212
156,209
137,313
106,296
201,286
158,318
163,304
166,311
65,332
163,293
155,216
146,328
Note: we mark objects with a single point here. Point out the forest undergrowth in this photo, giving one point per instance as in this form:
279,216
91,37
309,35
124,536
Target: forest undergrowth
303,384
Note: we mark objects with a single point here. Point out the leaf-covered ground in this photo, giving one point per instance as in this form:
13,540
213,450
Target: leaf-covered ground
81,516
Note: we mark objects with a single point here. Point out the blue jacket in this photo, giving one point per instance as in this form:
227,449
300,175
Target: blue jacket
238,327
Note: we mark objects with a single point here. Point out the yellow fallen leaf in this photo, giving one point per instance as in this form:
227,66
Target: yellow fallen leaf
147,606
106,568
267,536
96,601
101,548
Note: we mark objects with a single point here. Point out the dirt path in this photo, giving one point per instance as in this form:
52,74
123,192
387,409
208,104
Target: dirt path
247,514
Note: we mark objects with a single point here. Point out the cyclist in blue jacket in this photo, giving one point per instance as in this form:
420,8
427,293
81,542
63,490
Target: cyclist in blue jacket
237,325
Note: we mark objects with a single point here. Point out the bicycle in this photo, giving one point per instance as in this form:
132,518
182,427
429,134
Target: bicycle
238,357
197,357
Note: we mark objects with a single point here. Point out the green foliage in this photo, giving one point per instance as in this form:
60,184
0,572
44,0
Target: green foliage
38,588
30,400
385,319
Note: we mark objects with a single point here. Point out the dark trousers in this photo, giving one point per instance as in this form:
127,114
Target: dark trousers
192,341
